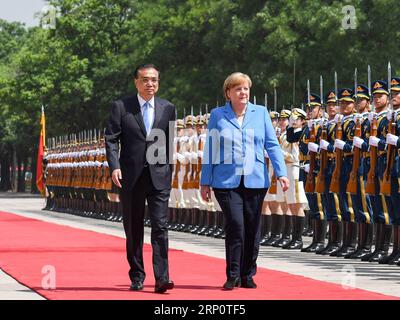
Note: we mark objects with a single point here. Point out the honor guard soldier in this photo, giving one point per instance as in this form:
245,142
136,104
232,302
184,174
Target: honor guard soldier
377,142
271,211
280,196
311,133
330,200
393,139
271,206
343,166
358,178
295,196
176,197
203,206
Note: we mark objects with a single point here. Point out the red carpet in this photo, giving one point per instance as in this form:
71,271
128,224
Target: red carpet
91,265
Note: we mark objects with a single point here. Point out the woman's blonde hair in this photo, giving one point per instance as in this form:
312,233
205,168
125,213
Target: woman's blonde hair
233,80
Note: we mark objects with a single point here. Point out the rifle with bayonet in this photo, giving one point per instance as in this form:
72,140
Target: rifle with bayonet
386,186
320,183
334,187
372,182
353,179
310,181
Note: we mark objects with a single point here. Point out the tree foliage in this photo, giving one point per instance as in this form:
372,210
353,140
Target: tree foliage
76,69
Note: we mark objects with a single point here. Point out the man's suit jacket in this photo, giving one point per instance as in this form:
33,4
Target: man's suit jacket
241,150
127,127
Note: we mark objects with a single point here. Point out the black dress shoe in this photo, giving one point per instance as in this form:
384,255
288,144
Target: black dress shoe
136,286
232,283
163,285
248,283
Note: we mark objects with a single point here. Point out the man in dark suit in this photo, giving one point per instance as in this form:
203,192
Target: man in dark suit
139,128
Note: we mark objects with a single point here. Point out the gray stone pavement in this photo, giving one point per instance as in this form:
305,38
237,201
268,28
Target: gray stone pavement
351,274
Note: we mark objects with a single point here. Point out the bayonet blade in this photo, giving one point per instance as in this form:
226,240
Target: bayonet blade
355,88
390,85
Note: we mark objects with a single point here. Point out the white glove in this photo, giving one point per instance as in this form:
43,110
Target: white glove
389,115
310,124
266,154
307,167
339,144
391,139
371,116
359,117
323,122
291,121
338,118
323,144
373,141
313,147
357,142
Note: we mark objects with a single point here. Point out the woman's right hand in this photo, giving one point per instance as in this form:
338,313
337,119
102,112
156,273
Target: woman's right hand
205,192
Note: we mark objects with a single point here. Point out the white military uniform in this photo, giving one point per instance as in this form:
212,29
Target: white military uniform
295,193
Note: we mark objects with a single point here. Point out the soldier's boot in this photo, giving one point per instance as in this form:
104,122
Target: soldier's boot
345,239
179,221
266,229
120,217
206,223
170,218
350,246
209,223
175,218
189,220
319,232
308,231
213,227
287,230
395,250
387,235
365,231
221,235
184,219
203,223
297,241
276,229
396,258
218,230
198,221
335,235
378,231
262,227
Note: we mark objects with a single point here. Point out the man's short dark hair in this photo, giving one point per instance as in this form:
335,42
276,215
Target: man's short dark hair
145,66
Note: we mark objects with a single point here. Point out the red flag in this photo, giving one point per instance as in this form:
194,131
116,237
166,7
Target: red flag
39,166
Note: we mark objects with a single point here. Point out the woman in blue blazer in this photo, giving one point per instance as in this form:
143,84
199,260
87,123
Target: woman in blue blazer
234,166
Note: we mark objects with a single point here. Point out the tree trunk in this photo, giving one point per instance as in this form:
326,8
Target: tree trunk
14,178
5,181
34,188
